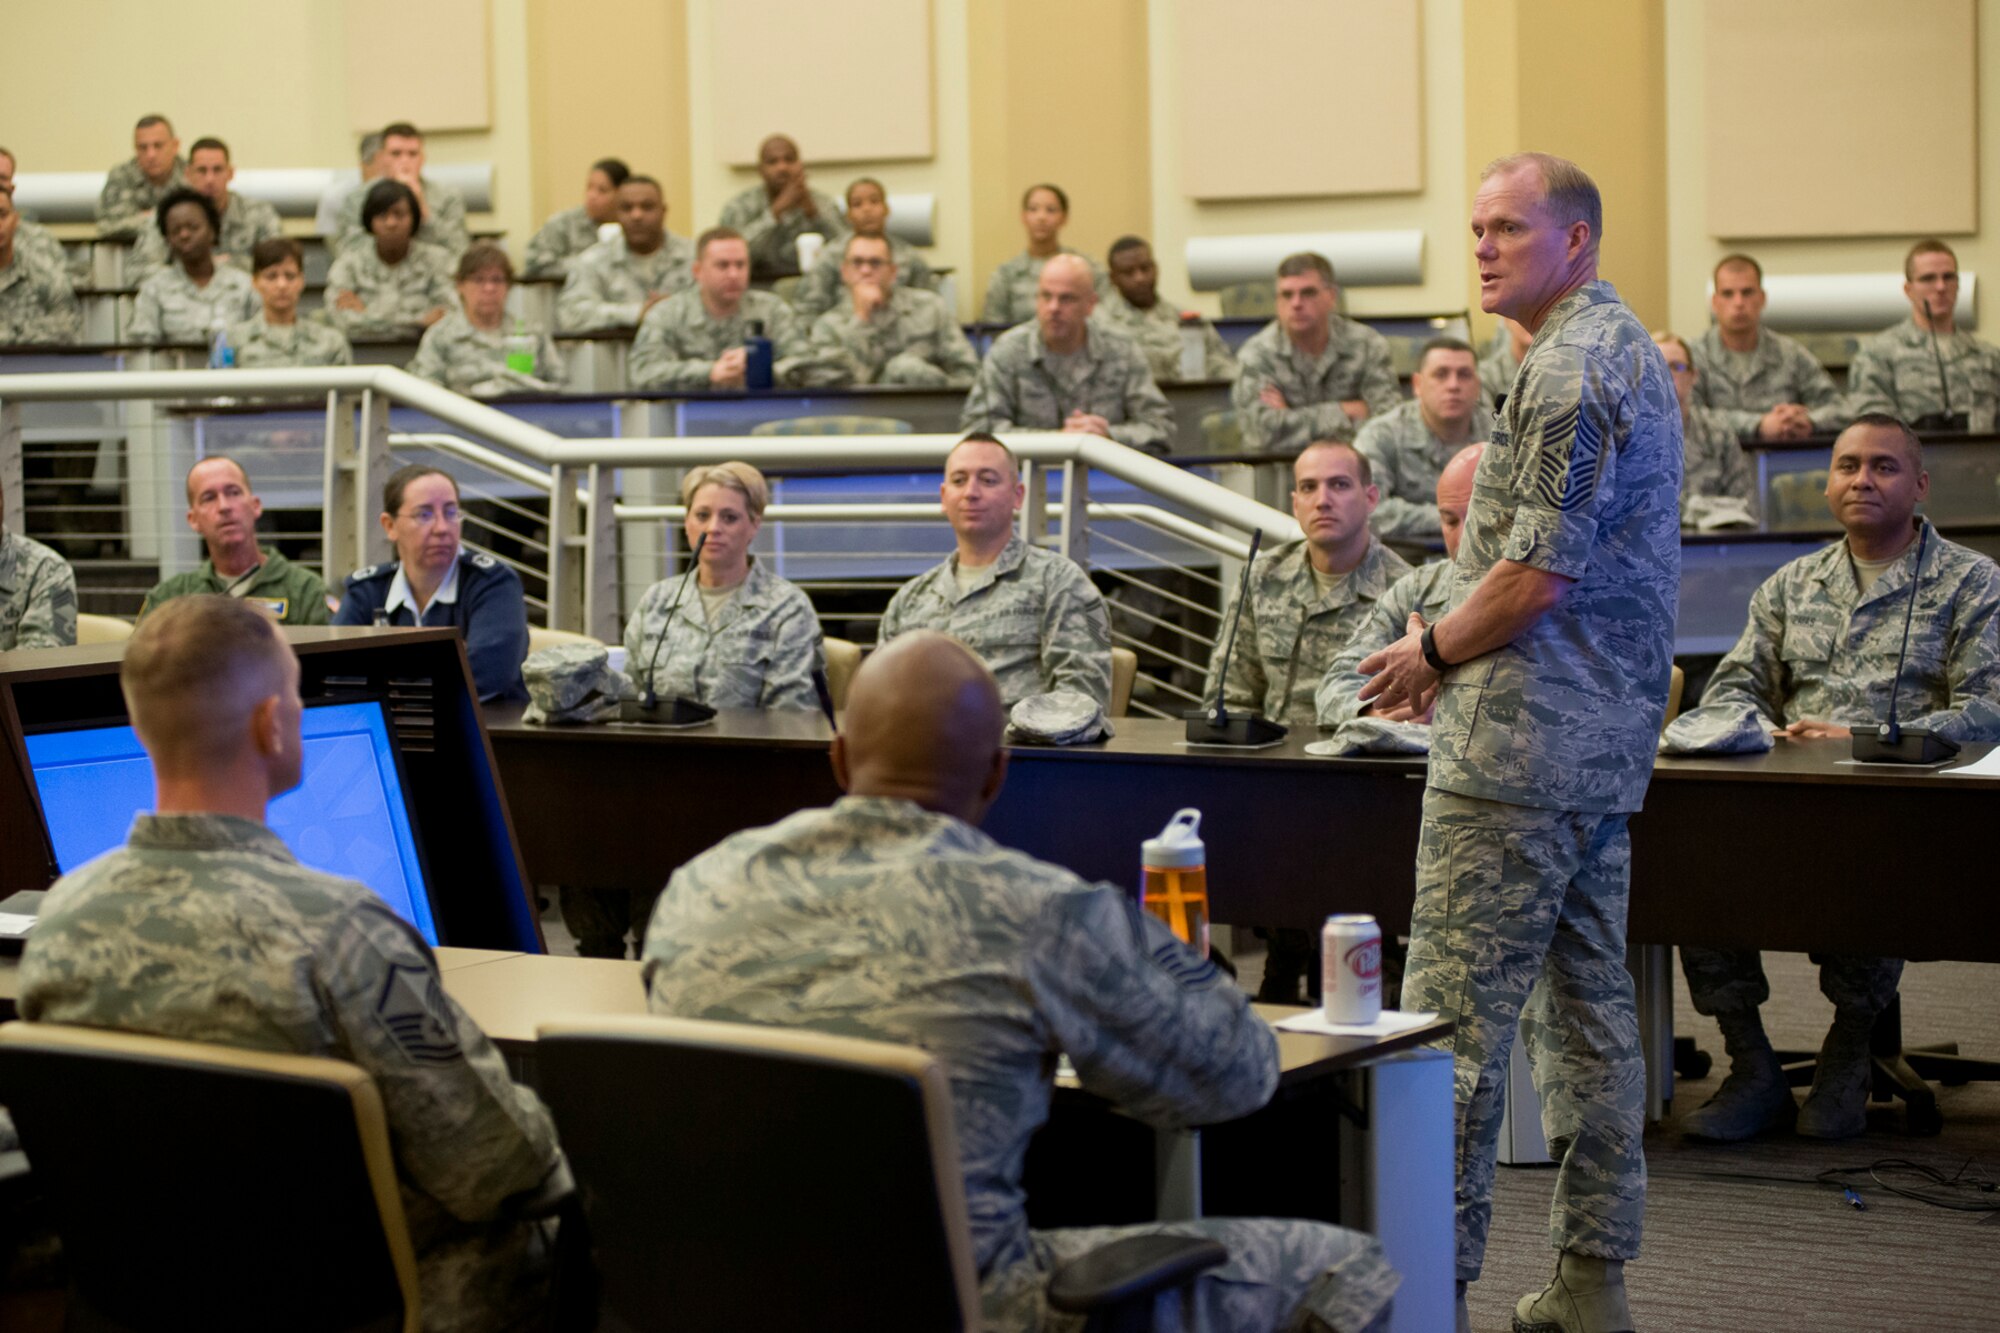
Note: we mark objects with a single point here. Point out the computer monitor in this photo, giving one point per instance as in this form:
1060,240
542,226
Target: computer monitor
348,816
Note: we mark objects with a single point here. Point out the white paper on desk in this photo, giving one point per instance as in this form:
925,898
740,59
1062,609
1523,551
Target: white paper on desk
1989,767
15,924
1389,1024
1905,768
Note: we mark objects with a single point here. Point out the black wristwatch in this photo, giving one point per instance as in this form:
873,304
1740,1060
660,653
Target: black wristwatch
1430,647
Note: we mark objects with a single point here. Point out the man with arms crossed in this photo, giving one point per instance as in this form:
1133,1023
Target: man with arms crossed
1551,673
1764,384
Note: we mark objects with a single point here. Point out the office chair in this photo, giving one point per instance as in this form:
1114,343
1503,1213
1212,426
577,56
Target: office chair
843,659
834,425
1901,1071
738,1176
209,1187
1124,670
101,629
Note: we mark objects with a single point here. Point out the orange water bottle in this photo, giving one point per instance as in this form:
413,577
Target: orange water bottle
1174,878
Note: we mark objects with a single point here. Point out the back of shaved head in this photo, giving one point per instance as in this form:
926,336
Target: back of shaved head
924,723
193,672
1454,486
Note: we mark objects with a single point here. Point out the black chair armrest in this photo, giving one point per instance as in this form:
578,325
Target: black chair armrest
1129,1269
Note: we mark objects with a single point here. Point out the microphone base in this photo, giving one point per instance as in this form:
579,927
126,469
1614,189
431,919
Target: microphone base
1913,745
666,713
1943,421
1203,728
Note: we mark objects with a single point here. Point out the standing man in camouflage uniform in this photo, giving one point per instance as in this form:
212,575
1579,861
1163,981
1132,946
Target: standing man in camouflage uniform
1765,385
1817,659
1031,615
204,928
1408,445
1714,465
1060,373
820,290
886,332
37,593
1001,963
1550,674
1924,369
132,190
440,219
695,339
1310,374
617,282
242,222
37,304
224,510
773,215
1133,307
1425,591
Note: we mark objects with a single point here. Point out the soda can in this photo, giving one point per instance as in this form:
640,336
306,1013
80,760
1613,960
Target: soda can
1350,960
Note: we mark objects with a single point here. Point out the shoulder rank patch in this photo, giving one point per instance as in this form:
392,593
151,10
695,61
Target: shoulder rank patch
411,1009
480,560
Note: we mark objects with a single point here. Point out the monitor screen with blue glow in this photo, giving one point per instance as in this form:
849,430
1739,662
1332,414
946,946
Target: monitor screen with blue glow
348,815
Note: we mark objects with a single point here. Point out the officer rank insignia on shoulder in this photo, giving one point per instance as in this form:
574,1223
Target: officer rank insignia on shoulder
370,571
480,560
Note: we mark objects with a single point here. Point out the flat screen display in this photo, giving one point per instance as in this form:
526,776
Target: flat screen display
347,817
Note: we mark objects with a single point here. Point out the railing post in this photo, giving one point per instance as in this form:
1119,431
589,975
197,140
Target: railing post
567,553
600,557
1035,509
648,547
1074,538
356,464
13,509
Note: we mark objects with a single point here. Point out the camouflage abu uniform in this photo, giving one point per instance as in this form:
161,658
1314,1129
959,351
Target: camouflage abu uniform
1713,460
204,928
444,228
760,651
820,289
37,595
1406,460
1159,333
608,285
1818,647
37,304
1023,386
1425,591
1540,750
1032,616
38,243
306,341
1291,629
1355,364
561,239
473,361
879,919
394,296
678,342
910,339
1896,371
774,241
171,309
127,203
1010,292
1498,368
1743,386
244,223
292,593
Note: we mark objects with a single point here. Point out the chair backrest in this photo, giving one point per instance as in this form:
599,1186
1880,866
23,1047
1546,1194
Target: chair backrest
1245,300
1222,431
1675,688
843,659
741,1176
834,425
1124,670
540,638
101,629
199,1186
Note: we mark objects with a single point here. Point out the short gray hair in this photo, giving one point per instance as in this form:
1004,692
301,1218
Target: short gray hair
1568,192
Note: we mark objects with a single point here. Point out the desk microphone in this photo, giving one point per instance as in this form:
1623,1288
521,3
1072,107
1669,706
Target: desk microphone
1947,419
677,712
1890,743
1216,726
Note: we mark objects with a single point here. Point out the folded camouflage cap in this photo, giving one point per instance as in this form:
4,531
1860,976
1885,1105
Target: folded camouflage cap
1721,729
1061,717
572,682
1373,735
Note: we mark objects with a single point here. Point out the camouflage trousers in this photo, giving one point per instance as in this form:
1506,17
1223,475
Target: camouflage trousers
600,918
1727,981
1281,1274
1507,897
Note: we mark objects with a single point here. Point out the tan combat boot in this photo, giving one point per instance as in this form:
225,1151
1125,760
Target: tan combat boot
1586,1296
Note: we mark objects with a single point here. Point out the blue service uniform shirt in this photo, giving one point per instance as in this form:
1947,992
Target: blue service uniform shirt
490,612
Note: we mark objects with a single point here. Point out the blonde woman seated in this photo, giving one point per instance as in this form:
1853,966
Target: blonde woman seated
471,349
728,633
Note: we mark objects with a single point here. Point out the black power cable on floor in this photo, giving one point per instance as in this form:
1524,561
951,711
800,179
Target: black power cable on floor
1959,1192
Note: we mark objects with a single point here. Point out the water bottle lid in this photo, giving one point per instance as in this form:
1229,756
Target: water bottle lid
1179,844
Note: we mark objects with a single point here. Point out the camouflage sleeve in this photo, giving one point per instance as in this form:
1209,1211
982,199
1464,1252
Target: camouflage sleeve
1274,429
447,222
818,288
464,1132
62,314
795,655
835,341
951,352
1823,402
891,623
1752,675
1394,516
654,362
1337,697
1076,635
1870,385
586,305
794,360
1739,421
1217,363
1148,1023
997,305
991,405
1379,387
148,317
1569,403
48,612
1149,420
1246,685
547,251
763,233
1972,662
550,368
431,363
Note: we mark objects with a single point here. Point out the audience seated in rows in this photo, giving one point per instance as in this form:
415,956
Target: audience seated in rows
616,283
885,332
773,215
437,210
241,223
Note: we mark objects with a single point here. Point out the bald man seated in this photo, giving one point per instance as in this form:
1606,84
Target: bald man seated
890,915
204,928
